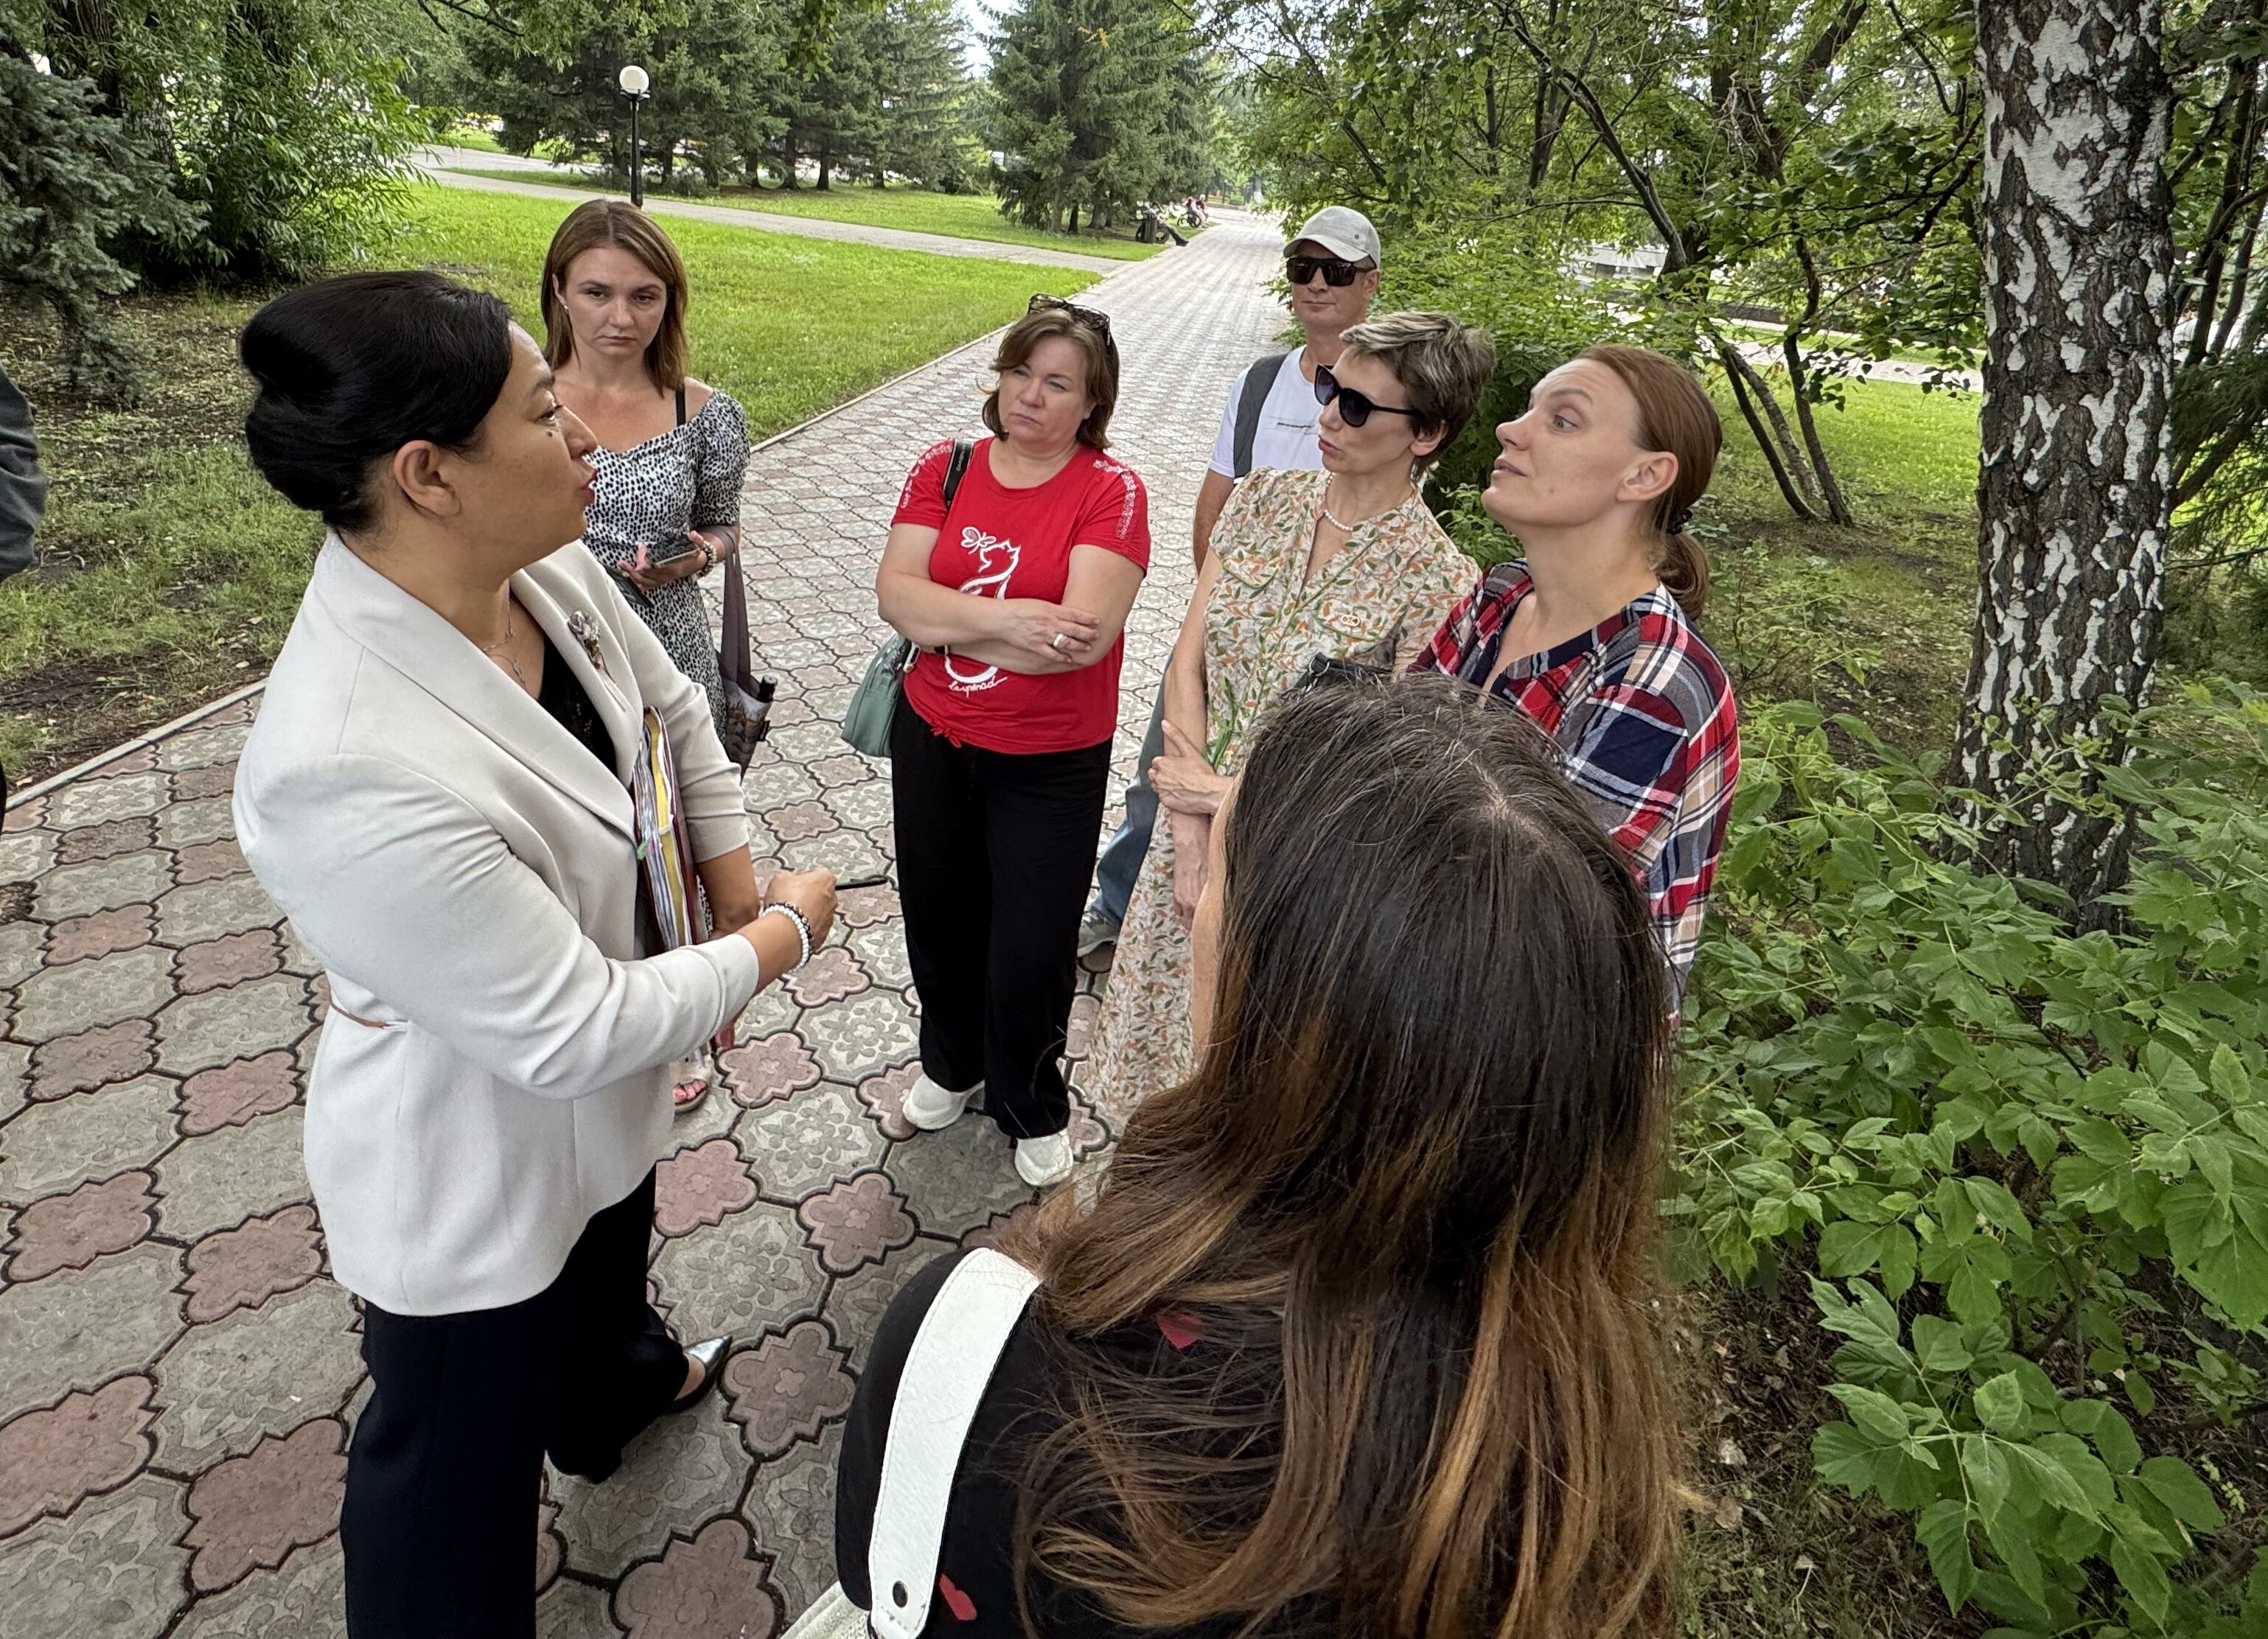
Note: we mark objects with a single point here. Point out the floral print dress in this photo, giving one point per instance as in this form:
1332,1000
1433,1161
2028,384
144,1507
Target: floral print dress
686,478
1396,579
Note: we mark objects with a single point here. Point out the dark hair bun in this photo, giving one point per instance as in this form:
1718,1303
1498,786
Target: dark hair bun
351,369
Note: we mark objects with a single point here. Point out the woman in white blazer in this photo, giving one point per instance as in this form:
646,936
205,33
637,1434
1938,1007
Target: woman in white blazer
437,793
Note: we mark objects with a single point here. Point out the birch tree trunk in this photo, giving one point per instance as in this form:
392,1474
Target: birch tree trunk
2075,488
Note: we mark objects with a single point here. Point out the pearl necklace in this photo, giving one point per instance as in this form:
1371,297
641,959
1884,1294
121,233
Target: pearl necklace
1333,519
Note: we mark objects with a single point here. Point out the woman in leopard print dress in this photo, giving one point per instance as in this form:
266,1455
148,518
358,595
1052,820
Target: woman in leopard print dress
671,451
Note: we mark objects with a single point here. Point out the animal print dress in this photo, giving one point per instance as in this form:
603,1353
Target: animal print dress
686,478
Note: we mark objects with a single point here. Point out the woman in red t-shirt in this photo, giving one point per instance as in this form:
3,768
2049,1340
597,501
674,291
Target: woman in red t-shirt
1016,593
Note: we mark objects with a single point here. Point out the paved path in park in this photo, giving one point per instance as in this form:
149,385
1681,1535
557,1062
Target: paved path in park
178,1376
809,227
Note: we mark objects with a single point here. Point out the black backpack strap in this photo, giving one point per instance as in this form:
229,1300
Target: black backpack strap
962,449
680,404
1251,398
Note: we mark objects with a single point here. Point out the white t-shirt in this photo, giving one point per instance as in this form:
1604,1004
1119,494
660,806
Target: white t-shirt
1285,437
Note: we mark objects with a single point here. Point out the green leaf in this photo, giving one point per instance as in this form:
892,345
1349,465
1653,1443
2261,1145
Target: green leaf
2000,1404
1938,1344
1874,1411
2113,1436
2174,1483
1844,1456
1943,1530
2142,1576
1998,1207
1986,1467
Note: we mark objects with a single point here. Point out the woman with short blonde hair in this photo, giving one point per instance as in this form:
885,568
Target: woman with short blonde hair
1336,564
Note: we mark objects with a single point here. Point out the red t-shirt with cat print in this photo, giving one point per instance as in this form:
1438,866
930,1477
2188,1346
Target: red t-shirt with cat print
998,542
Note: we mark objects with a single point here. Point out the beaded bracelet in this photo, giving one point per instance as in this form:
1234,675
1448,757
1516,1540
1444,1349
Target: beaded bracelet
802,930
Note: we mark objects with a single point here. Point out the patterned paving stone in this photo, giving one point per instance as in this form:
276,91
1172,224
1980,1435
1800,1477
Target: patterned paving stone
209,862
791,1510
195,749
787,1386
234,1093
856,1223
93,1058
59,1335
70,1232
958,1178
748,1274
61,1145
848,853
113,1568
696,1187
681,1471
207,911
203,1031
257,1372
81,995
86,1443
91,802
869,1034
15,1077
80,938
25,854
814,1139
215,780
243,1267
828,977
769,1067
213,1182
306,1600
21,943
230,959
884,1099
102,885
106,841
186,824
709,1588
250,1511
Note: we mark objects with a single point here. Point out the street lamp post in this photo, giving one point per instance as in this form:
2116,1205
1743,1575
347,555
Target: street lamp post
635,82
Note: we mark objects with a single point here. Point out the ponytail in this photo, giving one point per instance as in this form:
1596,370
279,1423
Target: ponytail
1684,571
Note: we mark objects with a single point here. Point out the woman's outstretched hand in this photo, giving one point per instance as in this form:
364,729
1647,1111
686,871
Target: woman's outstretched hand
1183,780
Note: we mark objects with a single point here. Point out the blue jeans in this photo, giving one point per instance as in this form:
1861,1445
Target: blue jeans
1122,855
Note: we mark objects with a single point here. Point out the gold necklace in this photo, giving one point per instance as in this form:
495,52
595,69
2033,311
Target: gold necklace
511,631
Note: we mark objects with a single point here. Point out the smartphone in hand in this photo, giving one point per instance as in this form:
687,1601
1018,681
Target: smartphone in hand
660,552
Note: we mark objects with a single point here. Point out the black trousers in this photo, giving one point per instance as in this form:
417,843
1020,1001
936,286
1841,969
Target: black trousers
994,854
443,1474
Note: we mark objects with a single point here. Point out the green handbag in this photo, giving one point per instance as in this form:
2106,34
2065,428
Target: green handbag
866,719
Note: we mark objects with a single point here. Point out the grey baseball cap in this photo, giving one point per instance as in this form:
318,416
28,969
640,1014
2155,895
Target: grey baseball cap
1345,233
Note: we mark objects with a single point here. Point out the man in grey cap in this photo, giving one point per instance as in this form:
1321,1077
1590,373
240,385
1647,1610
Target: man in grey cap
1332,265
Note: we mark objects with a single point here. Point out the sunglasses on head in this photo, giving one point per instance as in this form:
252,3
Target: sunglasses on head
1336,274
1092,316
1355,407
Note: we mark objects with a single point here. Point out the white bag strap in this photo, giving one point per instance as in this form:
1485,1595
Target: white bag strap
945,1374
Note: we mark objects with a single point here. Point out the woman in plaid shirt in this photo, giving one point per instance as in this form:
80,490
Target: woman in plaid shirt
1591,633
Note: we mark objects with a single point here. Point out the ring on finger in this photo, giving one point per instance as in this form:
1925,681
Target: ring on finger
1056,642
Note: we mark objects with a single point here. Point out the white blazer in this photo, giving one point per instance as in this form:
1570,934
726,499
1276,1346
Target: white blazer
493,1070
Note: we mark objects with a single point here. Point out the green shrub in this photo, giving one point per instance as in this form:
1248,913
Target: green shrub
2030,1168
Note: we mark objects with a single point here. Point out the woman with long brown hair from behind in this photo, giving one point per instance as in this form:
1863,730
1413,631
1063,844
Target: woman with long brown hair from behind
1358,1338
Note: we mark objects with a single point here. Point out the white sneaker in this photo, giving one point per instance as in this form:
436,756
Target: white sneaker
1043,1161
931,1108
1096,929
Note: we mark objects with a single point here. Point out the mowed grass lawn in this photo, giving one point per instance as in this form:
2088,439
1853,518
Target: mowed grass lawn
169,571
913,209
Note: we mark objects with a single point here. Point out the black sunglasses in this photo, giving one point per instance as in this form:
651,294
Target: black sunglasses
1336,274
1354,408
1095,316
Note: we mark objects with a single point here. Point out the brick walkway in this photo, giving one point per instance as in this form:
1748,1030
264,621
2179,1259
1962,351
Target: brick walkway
177,1375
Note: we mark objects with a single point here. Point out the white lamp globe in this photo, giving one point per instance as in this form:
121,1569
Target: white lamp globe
634,80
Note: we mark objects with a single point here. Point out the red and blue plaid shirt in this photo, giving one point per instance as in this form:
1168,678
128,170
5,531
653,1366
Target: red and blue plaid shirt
1642,715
